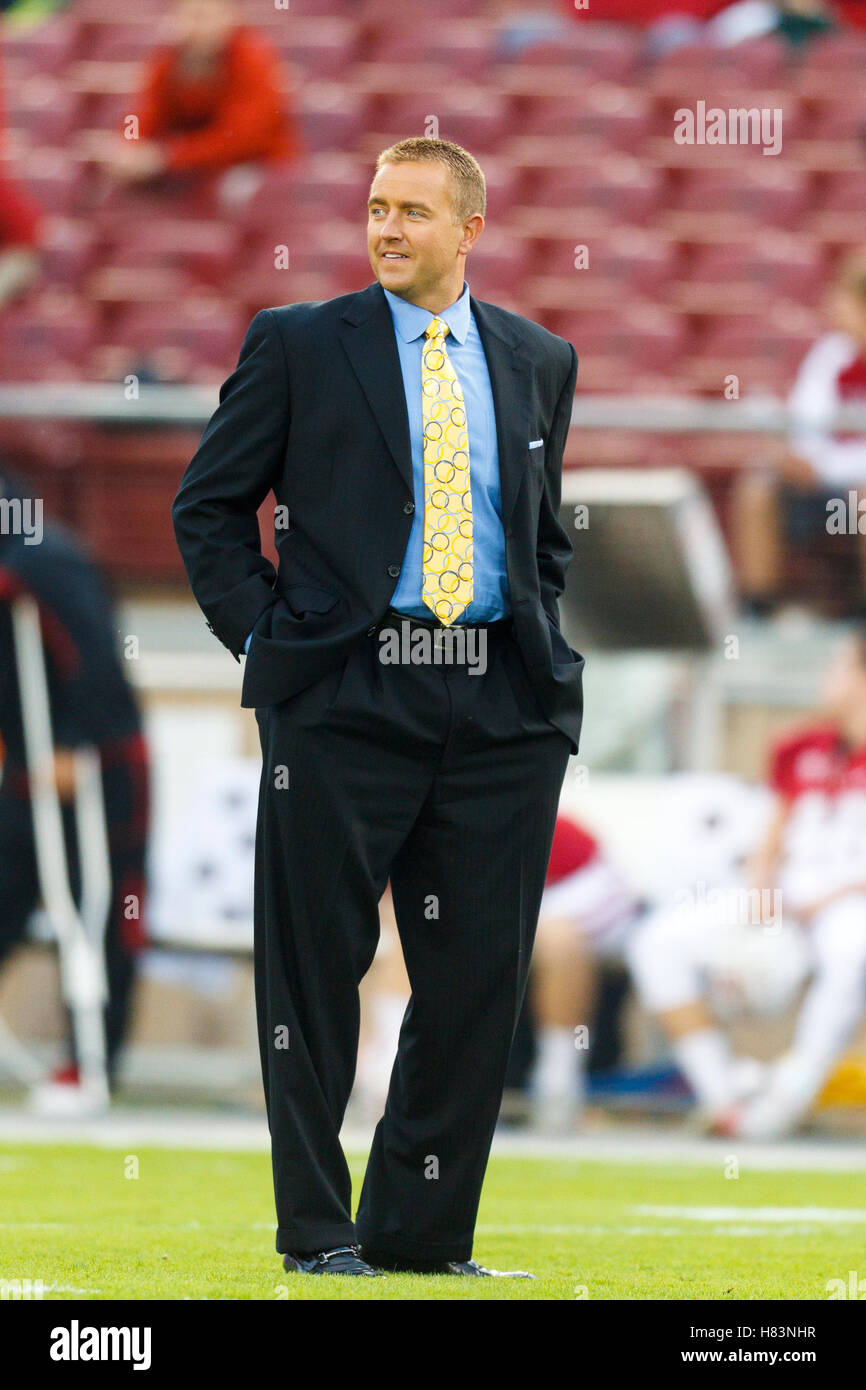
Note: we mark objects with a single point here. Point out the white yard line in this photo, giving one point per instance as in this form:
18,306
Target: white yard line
819,1216
626,1144
67,1288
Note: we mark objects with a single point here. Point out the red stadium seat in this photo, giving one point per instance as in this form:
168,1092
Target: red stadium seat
843,118
338,248
254,290
46,47
110,285
640,261
378,13
844,192
474,118
778,265
767,191
638,331
42,106
208,329
611,54
69,248
206,250
94,13
504,183
302,8
53,179
327,180
109,111
321,46
578,293
625,188
53,325
620,116
834,53
132,41
750,346
330,115
464,48
471,116
499,261
698,71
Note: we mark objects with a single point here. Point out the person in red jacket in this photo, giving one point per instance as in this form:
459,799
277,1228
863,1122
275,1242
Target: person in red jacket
641,12
212,99
20,226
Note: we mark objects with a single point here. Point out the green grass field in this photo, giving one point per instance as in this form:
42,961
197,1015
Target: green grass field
197,1224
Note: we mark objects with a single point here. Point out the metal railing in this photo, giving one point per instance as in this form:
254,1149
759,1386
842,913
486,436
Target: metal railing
194,405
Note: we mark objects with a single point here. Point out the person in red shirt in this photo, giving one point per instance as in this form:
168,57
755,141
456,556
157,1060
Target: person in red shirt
20,233
212,99
19,241
641,12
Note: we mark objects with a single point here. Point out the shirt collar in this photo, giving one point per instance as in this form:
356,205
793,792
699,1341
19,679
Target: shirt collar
411,321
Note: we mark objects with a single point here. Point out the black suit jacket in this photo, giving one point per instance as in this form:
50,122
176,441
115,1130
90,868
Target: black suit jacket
316,411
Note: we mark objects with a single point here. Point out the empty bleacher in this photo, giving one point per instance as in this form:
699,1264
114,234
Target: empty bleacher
703,261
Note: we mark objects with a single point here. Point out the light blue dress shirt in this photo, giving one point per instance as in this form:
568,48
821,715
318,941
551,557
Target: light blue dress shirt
491,599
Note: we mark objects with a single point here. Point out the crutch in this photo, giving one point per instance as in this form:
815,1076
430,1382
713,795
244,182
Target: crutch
80,934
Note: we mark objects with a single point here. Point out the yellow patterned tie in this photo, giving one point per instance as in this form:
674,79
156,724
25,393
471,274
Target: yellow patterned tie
447,557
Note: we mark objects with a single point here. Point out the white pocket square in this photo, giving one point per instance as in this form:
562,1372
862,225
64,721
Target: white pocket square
535,443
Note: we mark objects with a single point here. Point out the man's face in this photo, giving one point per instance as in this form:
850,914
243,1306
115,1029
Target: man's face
203,26
415,248
843,689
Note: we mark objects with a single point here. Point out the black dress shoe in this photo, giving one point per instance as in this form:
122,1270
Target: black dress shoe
345,1259
397,1265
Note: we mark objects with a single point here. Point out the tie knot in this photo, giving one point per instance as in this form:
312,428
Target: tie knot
436,328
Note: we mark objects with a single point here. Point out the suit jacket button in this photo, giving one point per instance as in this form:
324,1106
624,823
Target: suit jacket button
394,571
408,508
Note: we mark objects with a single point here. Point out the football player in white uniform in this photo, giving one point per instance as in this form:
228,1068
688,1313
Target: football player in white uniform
586,913
802,911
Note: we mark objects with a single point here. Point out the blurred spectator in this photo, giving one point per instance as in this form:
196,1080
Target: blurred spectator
92,704
674,22
793,503
803,912
669,24
852,12
642,12
798,21
19,238
211,100
522,23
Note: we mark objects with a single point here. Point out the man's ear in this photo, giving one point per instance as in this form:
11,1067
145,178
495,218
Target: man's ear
471,232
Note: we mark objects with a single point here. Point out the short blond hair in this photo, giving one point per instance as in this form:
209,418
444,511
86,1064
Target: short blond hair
468,185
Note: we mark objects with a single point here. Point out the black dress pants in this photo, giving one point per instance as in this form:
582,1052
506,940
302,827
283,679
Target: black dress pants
448,782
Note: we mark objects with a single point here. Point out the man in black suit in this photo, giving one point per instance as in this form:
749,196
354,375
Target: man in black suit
416,700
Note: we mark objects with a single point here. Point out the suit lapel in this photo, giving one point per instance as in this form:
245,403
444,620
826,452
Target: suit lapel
510,369
367,334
